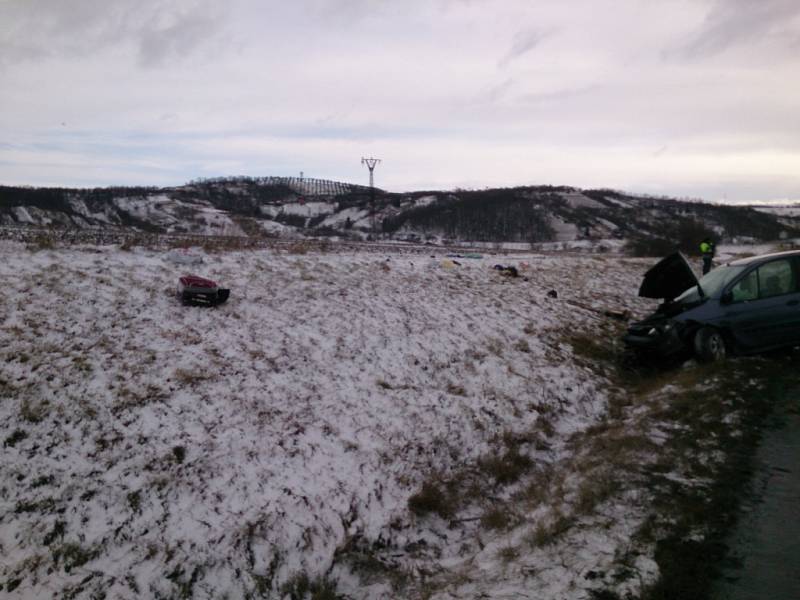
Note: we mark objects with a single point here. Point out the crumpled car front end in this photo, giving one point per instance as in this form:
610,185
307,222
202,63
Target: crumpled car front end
657,336
662,334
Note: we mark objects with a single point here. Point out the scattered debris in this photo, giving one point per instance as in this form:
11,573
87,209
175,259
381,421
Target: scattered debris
507,271
196,290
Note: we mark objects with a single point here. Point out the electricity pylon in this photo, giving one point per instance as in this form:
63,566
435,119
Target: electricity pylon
371,164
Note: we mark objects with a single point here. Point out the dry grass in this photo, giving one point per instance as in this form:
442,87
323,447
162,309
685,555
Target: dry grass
548,532
497,518
300,248
432,498
189,377
522,346
593,491
508,554
456,390
495,346
33,412
45,240
507,467
301,587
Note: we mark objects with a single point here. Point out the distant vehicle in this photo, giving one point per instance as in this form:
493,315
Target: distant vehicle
196,290
746,306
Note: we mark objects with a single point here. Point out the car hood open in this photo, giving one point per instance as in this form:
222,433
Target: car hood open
670,277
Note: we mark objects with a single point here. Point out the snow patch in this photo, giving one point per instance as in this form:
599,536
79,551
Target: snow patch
578,200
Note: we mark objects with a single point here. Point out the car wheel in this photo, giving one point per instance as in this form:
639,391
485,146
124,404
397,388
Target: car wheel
709,345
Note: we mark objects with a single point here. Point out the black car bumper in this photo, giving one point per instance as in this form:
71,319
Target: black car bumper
659,343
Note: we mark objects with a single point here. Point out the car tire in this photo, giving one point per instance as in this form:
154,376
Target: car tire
629,360
709,345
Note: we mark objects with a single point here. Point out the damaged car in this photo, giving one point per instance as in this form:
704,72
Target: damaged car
745,306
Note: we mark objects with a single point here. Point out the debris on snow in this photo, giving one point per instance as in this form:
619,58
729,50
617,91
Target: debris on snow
150,450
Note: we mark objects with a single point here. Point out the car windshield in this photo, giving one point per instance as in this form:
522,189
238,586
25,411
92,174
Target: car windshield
711,283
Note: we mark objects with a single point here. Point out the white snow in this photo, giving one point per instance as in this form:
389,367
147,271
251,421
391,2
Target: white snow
184,257
564,231
618,201
22,214
308,209
80,207
276,228
578,200
219,448
781,210
175,215
338,219
424,200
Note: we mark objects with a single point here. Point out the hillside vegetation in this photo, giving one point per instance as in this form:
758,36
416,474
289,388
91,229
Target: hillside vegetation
293,207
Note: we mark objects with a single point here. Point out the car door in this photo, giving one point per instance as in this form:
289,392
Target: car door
793,308
764,310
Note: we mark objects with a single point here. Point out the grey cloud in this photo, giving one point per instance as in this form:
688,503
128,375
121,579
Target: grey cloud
494,93
33,30
176,40
524,42
733,22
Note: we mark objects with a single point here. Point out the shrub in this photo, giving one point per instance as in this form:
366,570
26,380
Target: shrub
300,587
685,235
179,453
15,437
496,518
642,246
42,241
72,555
431,499
507,468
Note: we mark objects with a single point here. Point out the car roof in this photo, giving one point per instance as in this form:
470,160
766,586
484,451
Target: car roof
765,257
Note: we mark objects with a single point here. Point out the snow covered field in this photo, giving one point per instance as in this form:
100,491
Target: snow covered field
271,445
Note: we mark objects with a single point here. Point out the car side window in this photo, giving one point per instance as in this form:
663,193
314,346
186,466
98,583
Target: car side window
776,278
746,288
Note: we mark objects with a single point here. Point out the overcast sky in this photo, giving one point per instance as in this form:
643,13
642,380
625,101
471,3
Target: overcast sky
697,98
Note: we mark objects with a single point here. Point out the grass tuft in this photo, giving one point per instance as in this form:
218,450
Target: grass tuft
496,518
33,413
506,468
431,498
179,454
72,555
301,587
17,436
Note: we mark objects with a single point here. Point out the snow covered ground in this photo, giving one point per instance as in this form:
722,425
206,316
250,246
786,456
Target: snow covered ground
157,450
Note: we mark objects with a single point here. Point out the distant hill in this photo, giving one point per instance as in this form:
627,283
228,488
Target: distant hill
284,206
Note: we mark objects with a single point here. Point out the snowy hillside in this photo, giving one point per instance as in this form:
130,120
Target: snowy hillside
293,207
292,439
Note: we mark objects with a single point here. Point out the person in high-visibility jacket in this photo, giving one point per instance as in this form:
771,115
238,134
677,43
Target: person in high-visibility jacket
707,250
